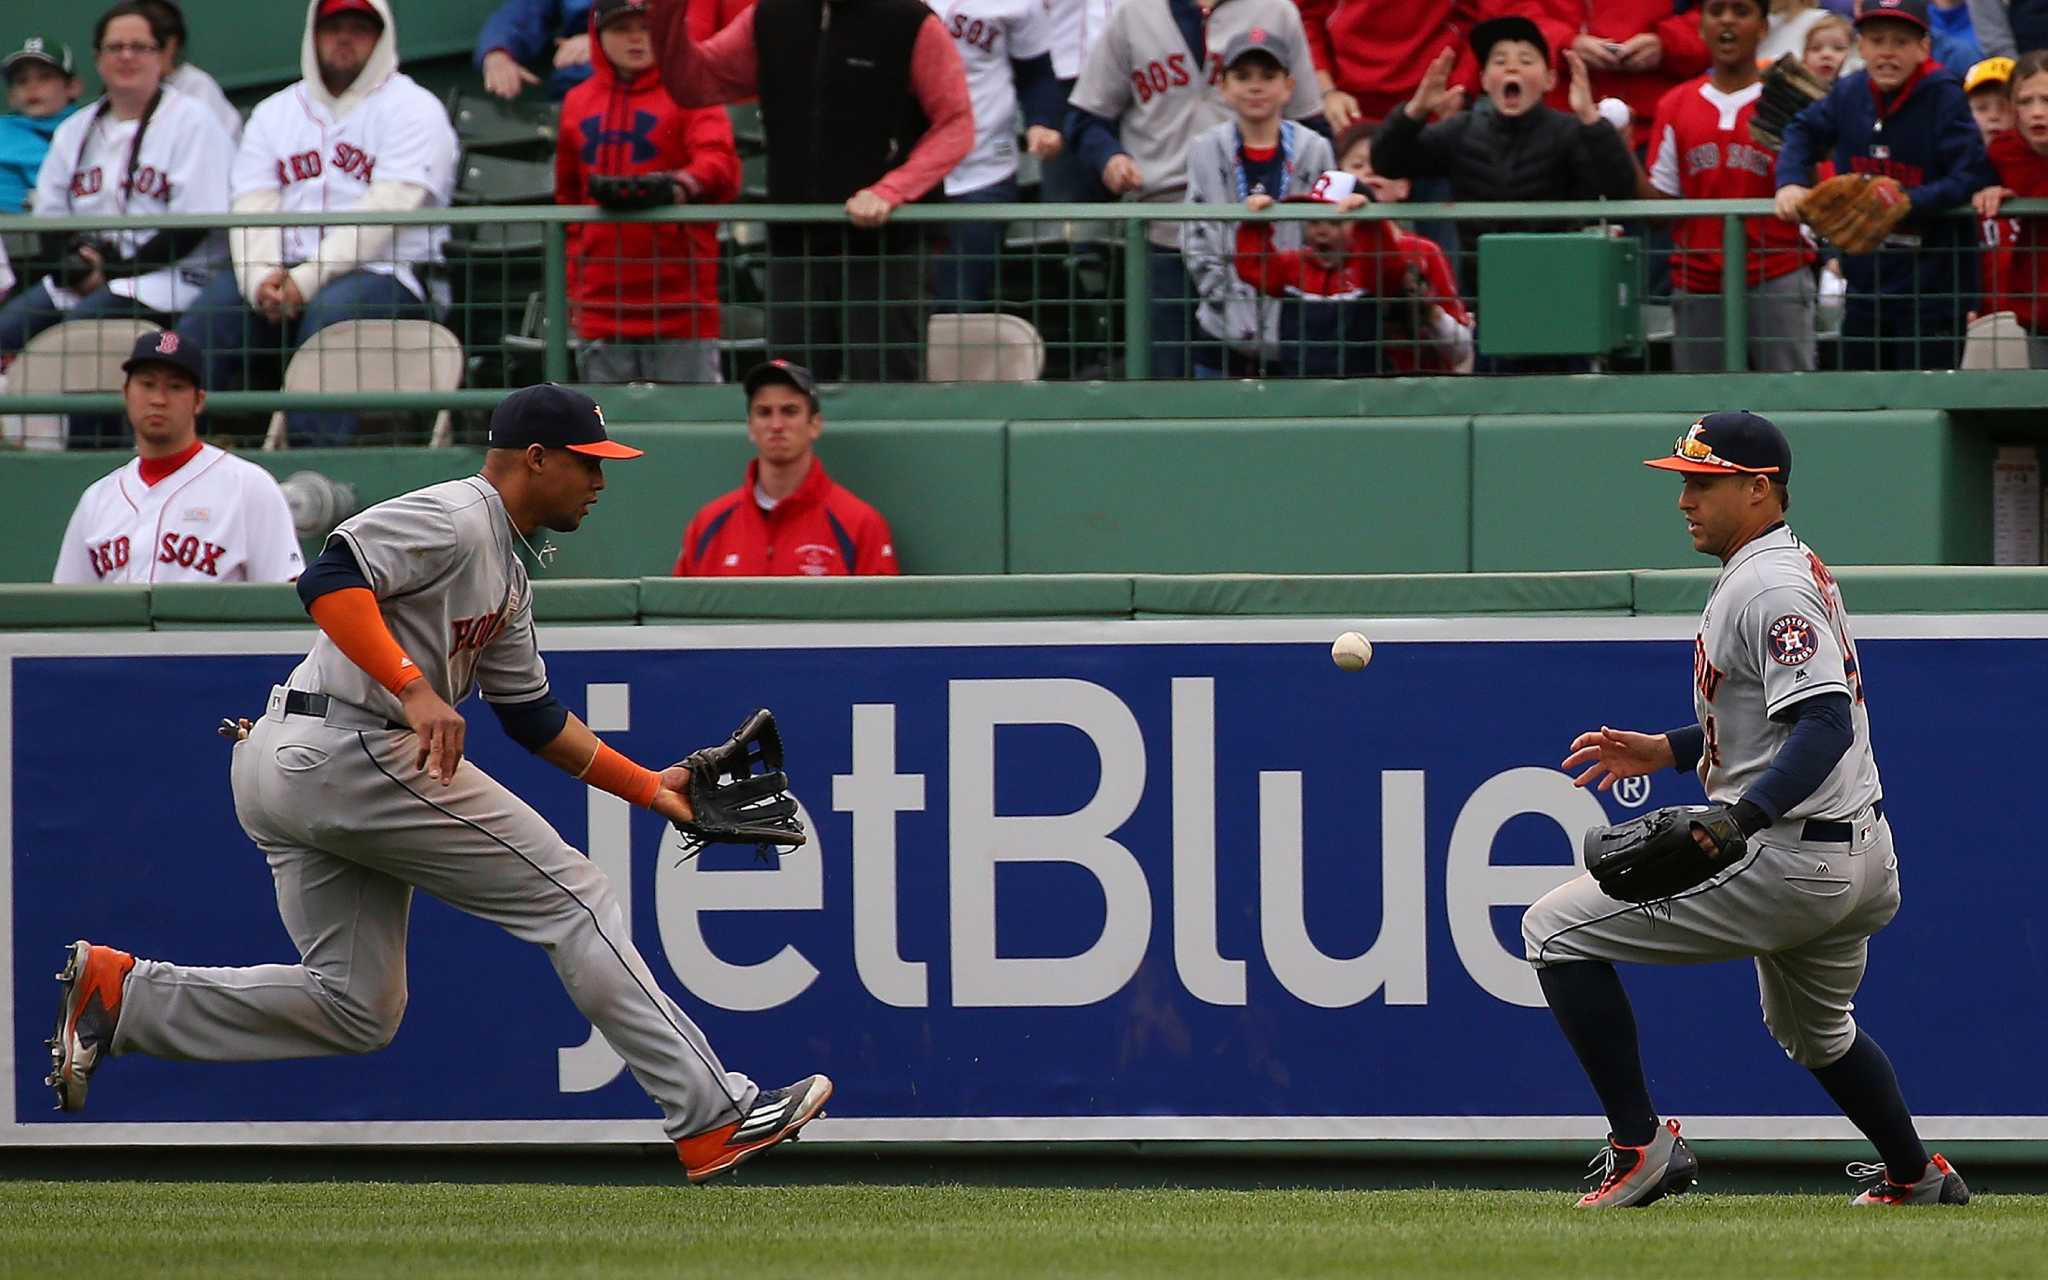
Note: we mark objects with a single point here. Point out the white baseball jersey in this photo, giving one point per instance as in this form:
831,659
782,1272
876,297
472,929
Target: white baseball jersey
397,132
988,34
1142,75
443,564
1773,634
205,90
218,518
181,167
1069,20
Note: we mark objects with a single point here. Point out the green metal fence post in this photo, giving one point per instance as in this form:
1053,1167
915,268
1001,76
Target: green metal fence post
1137,300
555,245
1734,295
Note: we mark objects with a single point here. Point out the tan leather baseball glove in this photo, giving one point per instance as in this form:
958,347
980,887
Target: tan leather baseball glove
1855,211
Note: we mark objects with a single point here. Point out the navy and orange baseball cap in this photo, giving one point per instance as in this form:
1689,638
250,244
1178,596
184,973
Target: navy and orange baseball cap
554,417
168,348
1734,442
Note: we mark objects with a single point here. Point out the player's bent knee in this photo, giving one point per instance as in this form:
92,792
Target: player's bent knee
1815,1047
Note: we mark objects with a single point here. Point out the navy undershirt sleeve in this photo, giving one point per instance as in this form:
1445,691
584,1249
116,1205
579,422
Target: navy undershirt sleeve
335,570
1686,745
1823,729
1038,90
534,724
1093,138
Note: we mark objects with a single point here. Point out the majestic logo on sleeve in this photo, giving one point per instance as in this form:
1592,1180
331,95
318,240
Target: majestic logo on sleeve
1791,640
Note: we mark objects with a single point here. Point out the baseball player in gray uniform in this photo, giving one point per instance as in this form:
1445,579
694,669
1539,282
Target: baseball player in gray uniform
354,786
1782,742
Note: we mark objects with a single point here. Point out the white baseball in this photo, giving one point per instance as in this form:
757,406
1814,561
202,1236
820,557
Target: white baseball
1351,652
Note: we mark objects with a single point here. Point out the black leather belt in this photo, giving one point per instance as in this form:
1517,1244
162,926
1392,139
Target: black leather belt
300,703
1837,832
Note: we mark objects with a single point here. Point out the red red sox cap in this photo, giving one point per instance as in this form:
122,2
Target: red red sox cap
168,348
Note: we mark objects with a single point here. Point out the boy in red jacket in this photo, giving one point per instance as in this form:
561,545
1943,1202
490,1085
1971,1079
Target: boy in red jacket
2020,156
1364,297
644,294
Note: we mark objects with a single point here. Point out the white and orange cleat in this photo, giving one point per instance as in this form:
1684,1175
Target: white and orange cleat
1631,1177
776,1116
1939,1183
86,1017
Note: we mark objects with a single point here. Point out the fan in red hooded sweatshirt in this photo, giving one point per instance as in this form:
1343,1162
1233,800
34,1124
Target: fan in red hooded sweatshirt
644,295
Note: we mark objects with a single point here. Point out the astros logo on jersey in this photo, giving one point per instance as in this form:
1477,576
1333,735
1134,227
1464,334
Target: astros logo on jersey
1792,640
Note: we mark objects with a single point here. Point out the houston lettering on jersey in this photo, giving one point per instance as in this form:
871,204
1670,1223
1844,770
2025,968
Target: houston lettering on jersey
475,633
1706,677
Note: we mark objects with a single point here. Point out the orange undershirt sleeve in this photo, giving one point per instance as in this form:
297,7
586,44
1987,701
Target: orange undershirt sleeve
352,620
610,771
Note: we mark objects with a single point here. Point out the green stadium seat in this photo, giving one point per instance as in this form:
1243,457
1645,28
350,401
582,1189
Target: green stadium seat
488,125
483,179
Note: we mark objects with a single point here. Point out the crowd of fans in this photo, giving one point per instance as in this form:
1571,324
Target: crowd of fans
1233,103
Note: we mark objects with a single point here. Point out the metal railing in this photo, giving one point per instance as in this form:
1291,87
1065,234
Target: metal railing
517,325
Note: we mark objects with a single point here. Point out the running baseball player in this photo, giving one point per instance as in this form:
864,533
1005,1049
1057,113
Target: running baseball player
1791,863
180,510
142,149
354,786
355,134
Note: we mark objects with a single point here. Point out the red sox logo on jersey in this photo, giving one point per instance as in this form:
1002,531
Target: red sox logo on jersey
974,31
815,559
304,166
108,556
1792,640
190,552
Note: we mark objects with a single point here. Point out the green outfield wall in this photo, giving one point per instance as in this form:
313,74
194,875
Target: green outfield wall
670,601
1247,478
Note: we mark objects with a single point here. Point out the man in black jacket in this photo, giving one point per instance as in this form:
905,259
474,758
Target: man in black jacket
1510,145
863,102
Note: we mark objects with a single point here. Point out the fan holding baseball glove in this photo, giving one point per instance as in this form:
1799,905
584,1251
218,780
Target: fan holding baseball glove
1907,152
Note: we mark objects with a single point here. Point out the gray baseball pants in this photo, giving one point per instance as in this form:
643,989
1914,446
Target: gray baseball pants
1803,909
351,828
1781,327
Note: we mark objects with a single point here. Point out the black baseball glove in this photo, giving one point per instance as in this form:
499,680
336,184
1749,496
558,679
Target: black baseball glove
735,803
628,192
1789,89
1654,857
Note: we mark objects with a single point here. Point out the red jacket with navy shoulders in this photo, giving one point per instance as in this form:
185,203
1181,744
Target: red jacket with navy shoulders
821,530
642,280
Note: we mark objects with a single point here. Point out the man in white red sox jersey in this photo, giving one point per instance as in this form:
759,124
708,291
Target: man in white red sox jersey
355,134
180,510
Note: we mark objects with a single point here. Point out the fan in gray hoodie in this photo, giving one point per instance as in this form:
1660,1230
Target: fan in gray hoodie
1258,152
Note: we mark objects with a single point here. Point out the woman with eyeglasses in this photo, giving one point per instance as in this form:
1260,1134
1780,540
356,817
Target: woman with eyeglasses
143,149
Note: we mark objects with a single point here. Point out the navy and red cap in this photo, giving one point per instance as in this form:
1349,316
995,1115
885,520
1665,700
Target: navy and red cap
784,372
1494,30
554,417
1908,11
609,10
1260,40
1735,442
168,348
330,8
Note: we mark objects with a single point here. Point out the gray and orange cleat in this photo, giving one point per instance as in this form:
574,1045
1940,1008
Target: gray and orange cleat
776,1116
86,1016
1631,1177
1939,1184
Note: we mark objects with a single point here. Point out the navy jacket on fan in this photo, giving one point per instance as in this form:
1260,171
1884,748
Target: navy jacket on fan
1930,144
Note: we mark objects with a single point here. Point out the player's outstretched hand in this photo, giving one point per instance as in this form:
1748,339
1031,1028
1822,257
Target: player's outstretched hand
440,729
673,800
1617,753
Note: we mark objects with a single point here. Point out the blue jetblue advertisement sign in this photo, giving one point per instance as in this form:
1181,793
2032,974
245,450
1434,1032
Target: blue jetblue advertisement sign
1068,880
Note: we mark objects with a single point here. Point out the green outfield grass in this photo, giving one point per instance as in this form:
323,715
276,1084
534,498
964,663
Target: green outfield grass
446,1229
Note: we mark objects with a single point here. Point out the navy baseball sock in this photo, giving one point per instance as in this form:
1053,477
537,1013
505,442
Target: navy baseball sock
1864,1086
1594,1014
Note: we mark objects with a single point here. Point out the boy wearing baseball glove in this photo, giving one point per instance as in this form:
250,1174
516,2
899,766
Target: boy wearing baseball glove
1906,147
